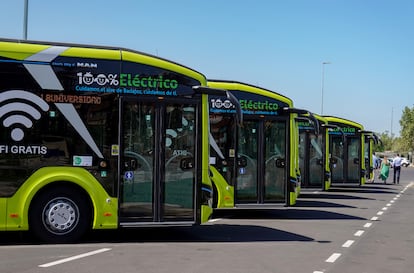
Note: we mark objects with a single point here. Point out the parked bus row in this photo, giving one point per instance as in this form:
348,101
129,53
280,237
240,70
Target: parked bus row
280,149
97,137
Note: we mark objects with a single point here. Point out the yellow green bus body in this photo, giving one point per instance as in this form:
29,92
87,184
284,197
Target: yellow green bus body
328,176
370,139
314,153
347,162
69,82
105,207
241,168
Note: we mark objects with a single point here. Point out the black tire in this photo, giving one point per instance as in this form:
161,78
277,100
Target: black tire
60,215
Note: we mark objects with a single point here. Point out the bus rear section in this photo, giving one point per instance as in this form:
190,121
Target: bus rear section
314,154
347,151
255,165
99,138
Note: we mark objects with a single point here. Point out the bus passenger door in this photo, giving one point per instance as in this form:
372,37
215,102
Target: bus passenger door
275,160
158,166
337,159
316,161
178,186
262,144
246,190
354,160
223,158
137,164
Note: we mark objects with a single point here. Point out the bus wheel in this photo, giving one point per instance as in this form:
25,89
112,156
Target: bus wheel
60,215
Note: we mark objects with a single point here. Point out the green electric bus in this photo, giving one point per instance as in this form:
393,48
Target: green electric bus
347,151
257,163
314,153
100,138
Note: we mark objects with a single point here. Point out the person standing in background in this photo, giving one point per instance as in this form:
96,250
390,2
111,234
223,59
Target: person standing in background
374,166
384,170
397,168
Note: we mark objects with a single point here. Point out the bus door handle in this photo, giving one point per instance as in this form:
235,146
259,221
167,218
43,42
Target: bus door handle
242,161
187,163
280,163
132,164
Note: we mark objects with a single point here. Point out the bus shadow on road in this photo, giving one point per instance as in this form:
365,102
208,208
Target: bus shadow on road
327,195
321,204
214,233
379,188
288,213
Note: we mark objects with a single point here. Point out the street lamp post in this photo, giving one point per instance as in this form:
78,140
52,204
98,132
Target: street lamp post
26,12
323,78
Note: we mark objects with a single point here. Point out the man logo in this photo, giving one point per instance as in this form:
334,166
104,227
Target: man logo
19,110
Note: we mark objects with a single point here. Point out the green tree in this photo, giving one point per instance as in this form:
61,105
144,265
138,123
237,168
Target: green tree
385,144
407,130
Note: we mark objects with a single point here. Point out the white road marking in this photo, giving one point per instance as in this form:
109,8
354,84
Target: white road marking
75,257
348,243
214,220
359,233
333,258
367,225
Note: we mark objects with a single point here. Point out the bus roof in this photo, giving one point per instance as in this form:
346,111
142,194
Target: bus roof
21,49
320,118
344,121
236,85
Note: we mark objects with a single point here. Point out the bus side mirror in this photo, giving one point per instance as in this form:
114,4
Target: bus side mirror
187,163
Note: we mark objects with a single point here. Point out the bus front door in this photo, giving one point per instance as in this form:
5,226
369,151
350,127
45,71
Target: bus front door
311,160
158,166
346,161
354,160
263,146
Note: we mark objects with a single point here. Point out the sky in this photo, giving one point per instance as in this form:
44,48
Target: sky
274,44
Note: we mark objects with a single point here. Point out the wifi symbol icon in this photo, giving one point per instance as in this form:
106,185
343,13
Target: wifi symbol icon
18,108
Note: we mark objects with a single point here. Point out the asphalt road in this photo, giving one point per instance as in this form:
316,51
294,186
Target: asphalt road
347,229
